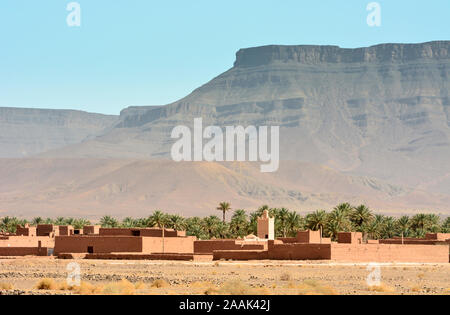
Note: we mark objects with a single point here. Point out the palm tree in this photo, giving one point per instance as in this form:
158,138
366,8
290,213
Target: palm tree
337,222
37,221
239,223
48,221
345,208
389,228
316,221
223,230
224,207
129,222
60,221
70,221
403,226
419,221
78,224
177,223
295,223
433,223
108,222
158,219
281,219
9,224
361,215
446,226
210,225
372,229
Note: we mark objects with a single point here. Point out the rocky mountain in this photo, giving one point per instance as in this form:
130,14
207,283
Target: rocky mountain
380,111
27,132
377,118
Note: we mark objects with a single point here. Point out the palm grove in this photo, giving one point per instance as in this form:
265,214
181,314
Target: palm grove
342,218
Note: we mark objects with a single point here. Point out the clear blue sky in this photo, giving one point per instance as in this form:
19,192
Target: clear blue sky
145,52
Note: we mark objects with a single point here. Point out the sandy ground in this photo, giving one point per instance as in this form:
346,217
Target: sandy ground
267,277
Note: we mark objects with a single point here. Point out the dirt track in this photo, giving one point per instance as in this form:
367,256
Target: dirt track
266,277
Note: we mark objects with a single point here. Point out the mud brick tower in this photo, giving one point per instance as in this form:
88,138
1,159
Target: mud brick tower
266,226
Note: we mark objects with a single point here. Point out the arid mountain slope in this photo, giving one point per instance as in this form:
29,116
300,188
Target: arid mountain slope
26,132
381,111
368,124
93,187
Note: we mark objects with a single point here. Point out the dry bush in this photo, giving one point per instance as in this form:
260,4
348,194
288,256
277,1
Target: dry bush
311,287
237,287
160,284
46,284
204,287
211,291
140,286
286,277
201,284
6,286
416,289
382,288
63,286
123,287
421,276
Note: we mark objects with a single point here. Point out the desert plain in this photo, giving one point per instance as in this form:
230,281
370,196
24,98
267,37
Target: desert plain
48,276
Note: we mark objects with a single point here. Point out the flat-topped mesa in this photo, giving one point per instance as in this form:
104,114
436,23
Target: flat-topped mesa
310,54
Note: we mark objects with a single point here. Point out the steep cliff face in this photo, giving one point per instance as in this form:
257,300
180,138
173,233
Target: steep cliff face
376,120
26,132
381,111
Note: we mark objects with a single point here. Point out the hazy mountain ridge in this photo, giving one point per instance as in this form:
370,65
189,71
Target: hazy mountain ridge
377,118
26,131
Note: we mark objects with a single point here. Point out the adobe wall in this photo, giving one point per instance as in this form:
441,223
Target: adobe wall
65,230
27,241
287,240
240,255
309,237
350,238
209,246
298,251
174,245
176,257
154,232
44,229
438,236
100,244
26,231
390,253
91,229
23,251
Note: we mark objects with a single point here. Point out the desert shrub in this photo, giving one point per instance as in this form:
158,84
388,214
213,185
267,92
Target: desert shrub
311,287
286,277
123,287
140,286
63,286
160,284
416,289
6,286
235,287
46,284
382,288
